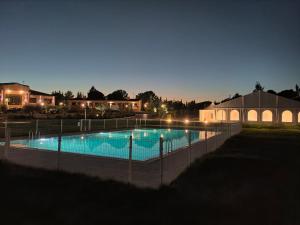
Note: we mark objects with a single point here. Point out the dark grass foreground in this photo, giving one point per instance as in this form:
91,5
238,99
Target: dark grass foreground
253,179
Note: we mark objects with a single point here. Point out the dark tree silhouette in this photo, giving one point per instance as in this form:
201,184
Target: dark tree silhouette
272,92
236,95
94,94
59,96
80,95
69,95
258,87
118,95
288,94
149,97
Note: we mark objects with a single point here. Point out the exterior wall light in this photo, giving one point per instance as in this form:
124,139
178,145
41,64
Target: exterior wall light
186,121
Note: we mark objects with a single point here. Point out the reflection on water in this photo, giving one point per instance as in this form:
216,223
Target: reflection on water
116,144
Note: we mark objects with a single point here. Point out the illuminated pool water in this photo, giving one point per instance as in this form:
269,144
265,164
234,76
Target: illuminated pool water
116,144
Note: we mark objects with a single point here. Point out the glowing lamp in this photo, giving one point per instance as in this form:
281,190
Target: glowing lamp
169,120
82,105
186,121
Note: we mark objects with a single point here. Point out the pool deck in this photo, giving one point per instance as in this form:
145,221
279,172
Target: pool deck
150,173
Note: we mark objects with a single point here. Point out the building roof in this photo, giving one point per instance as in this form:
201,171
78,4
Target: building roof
259,99
13,83
33,92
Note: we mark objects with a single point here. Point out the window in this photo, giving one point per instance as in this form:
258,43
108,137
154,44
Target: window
267,116
48,101
221,115
14,99
234,115
32,100
287,116
252,115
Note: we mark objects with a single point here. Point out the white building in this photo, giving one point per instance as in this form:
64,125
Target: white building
16,96
257,107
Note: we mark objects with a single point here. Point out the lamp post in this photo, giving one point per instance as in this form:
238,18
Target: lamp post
84,107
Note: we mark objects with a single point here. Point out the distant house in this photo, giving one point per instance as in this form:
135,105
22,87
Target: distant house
256,107
130,104
16,96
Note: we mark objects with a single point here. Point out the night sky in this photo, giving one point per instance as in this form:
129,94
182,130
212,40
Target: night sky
179,49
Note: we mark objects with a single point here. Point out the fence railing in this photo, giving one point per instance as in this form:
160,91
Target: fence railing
145,157
40,128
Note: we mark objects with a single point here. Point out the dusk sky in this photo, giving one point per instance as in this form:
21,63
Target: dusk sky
203,50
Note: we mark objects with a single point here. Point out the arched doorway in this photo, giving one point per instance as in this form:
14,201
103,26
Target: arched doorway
252,115
234,115
221,115
267,116
287,116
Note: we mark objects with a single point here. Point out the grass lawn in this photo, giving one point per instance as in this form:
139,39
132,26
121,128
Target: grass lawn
254,178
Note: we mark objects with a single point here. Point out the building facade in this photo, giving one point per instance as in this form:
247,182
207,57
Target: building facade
16,96
130,105
256,107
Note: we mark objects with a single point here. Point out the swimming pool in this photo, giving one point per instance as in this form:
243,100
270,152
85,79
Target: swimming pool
116,144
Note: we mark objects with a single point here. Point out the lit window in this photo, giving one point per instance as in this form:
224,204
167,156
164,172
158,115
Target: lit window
267,116
287,116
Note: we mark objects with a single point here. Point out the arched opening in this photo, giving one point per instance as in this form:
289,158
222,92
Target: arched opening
252,115
221,115
267,116
234,115
287,116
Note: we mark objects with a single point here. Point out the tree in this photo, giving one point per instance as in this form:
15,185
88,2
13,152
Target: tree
288,93
258,87
272,92
150,99
118,95
297,90
236,95
59,96
80,95
69,95
94,94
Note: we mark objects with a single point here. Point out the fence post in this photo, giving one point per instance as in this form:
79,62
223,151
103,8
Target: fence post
130,160
190,145
161,152
36,127
104,124
61,126
127,123
58,151
7,142
205,139
116,123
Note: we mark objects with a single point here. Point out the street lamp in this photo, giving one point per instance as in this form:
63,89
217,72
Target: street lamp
83,106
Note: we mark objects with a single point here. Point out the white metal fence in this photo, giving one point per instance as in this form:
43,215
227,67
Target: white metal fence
141,161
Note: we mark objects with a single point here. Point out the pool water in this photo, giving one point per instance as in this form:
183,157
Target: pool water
116,144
